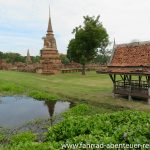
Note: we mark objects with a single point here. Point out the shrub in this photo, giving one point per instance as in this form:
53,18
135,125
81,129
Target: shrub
129,127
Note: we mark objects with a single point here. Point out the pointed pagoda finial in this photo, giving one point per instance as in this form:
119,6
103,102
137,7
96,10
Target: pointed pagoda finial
49,23
28,58
28,53
113,51
114,42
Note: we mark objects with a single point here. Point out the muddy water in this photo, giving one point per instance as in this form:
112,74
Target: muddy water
16,111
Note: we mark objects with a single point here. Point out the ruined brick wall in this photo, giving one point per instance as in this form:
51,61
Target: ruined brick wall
74,65
4,65
71,65
27,67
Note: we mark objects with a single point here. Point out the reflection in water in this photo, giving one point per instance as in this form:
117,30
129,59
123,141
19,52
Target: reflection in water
15,111
50,106
56,108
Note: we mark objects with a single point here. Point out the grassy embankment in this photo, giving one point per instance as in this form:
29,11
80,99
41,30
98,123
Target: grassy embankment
83,123
93,88
83,126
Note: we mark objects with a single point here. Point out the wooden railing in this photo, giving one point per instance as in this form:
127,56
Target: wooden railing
135,84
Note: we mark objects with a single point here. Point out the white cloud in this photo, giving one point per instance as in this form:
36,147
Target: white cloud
25,21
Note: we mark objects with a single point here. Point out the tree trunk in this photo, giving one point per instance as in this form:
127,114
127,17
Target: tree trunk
83,69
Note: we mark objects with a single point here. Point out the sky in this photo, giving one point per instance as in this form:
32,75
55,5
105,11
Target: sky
23,23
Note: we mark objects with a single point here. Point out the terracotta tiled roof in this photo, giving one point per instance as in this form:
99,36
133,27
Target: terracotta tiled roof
134,54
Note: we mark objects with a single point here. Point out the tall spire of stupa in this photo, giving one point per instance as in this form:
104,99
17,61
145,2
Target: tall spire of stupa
114,43
50,60
49,29
28,58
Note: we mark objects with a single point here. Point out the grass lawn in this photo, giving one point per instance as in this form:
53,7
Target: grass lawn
92,88
84,123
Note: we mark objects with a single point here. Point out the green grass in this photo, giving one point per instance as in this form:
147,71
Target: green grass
92,88
94,122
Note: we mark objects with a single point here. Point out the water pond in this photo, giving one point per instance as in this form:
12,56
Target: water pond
15,111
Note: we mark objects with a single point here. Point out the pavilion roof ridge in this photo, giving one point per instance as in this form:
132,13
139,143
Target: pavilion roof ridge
138,43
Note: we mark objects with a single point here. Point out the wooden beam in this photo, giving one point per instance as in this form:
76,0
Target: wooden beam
130,88
113,78
148,82
122,77
127,77
124,80
140,78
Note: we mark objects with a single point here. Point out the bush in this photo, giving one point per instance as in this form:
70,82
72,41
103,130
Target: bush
81,126
23,137
129,127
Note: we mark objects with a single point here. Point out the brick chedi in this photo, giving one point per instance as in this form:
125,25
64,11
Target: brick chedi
28,58
50,60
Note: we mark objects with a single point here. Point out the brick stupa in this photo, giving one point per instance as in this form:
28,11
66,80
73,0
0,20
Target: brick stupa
28,58
50,59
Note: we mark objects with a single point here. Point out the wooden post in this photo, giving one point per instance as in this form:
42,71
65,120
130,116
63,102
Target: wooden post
114,96
148,89
140,77
113,78
130,88
124,80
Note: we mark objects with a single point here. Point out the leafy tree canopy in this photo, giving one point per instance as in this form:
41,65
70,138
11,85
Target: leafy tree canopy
64,59
12,58
88,40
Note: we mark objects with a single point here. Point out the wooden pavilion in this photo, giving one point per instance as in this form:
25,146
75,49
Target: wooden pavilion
129,70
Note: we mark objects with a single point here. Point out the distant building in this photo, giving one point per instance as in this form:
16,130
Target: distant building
28,58
50,59
129,70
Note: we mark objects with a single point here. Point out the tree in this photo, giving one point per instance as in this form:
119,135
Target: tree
64,59
35,59
1,55
88,39
13,57
103,57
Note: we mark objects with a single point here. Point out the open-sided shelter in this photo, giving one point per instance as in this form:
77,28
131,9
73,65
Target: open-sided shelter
129,70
